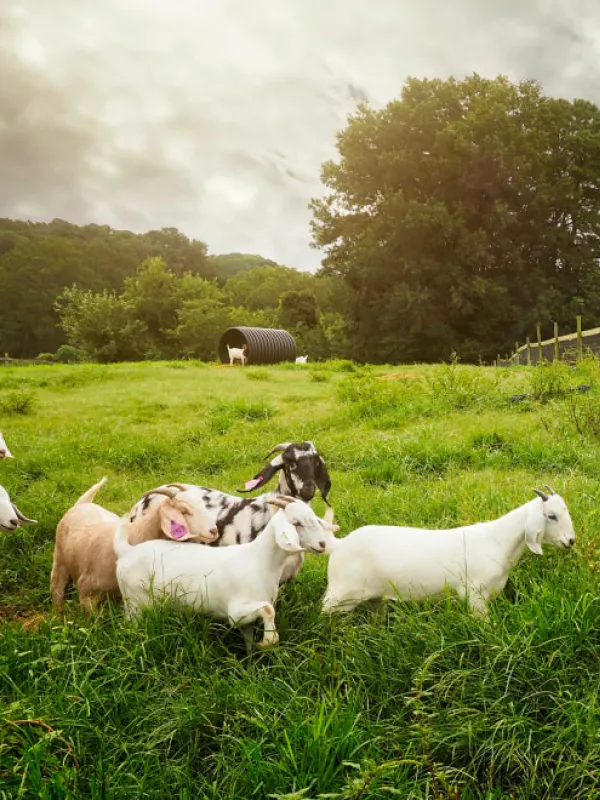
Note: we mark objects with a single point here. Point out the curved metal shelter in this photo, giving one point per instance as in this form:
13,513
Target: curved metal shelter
264,345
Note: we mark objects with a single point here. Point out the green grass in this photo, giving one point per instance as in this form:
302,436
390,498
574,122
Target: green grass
405,701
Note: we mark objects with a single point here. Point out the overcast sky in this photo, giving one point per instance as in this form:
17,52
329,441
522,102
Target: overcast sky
214,117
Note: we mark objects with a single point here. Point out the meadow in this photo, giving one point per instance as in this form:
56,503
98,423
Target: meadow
408,701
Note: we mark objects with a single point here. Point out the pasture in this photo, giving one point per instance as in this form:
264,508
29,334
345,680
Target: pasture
402,701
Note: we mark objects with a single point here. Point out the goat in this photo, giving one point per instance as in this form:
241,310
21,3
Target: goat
237,353
238,583
84,554
4,451
381,561
301,359
10,516
301,471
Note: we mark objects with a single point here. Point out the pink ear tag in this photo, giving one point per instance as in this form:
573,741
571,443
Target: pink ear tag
177,531
253,483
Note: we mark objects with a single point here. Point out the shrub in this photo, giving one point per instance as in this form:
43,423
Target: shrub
67,354
225,415
21,401
257,374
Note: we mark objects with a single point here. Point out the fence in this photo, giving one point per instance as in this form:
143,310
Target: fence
567,347
7,361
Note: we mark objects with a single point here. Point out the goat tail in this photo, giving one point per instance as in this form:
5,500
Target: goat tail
89,496
121,540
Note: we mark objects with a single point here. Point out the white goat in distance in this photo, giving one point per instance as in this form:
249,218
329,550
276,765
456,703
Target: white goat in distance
301,359
237,354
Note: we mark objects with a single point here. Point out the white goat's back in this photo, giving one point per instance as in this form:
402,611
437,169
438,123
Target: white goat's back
383,561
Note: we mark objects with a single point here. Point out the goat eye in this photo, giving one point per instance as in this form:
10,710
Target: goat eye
553,517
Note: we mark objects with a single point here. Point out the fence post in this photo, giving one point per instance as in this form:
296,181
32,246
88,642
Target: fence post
556,343
528,351
539,340
579,337
517,356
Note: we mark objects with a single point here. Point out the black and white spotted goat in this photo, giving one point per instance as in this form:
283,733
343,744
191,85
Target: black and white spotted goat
239,520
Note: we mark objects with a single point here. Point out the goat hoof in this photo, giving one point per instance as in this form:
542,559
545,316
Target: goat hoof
270,641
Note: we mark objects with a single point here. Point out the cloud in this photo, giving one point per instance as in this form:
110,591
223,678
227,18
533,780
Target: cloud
216,117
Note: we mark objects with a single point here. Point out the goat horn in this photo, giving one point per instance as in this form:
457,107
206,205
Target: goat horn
22,517
278,449
290,499
279,502
166,493
283,500
550,489
541,494
179,486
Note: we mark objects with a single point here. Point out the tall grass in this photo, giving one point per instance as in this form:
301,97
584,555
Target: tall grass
406,701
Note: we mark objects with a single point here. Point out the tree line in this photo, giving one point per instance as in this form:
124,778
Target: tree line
454,220
91,292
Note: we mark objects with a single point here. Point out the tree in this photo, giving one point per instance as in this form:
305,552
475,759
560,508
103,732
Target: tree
298,308
460,215
262,287
229,264
102,325
153,297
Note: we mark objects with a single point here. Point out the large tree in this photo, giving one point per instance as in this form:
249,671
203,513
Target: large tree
461,215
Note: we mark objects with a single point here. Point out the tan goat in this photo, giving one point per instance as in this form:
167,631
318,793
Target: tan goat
84,551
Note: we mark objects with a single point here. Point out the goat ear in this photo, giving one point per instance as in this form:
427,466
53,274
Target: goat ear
172,524
534,528
25,520
287,538
322,478
264,476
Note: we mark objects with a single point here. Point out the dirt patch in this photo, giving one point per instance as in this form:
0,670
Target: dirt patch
398,376
29,619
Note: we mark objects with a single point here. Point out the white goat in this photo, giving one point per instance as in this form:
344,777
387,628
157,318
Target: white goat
237,583
237,353
4,451
380,561
301,359
10,516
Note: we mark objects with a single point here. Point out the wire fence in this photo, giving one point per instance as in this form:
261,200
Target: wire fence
569,347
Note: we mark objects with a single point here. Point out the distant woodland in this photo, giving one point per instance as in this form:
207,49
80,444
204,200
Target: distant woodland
454,220
96,293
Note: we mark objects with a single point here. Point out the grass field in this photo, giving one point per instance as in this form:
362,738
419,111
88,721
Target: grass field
406,701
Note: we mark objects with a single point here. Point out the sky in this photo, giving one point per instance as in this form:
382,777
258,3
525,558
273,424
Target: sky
215,117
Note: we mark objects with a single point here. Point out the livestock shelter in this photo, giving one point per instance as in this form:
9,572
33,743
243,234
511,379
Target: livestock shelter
264,345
